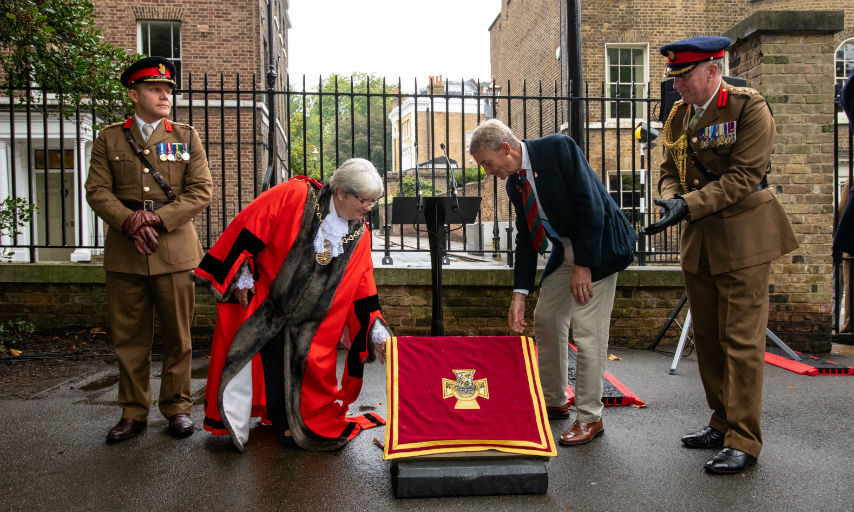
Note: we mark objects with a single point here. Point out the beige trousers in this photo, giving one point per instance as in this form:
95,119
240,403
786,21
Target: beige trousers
555,313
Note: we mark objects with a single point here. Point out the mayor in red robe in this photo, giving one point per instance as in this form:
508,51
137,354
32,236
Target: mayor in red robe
293,276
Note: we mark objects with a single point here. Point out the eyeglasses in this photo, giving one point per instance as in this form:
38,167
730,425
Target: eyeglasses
365,202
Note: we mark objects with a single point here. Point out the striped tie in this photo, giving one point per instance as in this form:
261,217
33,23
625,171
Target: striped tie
532,216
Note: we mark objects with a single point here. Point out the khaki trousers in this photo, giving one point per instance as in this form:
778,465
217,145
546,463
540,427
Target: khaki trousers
555,313
132,300
730,315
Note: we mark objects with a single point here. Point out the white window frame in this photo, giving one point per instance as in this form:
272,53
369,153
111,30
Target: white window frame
641,174
142,25
640,113
847,60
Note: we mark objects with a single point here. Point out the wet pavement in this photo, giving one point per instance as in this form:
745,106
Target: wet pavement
53,455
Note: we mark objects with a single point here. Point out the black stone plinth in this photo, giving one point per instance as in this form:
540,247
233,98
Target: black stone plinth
418,478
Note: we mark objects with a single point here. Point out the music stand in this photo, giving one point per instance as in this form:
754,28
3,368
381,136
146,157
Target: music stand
437,211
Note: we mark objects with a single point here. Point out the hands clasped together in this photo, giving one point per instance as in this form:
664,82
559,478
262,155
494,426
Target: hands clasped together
141,228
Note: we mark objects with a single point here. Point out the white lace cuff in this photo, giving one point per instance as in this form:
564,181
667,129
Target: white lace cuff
244,278
379,334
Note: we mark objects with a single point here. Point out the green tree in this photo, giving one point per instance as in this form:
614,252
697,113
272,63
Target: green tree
54,43
341,127
15,212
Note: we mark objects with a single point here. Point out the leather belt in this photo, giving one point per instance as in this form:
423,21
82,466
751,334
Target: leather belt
147,205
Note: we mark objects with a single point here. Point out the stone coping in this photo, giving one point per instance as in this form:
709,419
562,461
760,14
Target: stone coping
82,273
788,21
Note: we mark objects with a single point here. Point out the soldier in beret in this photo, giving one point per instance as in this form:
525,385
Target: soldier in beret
148,178
718,142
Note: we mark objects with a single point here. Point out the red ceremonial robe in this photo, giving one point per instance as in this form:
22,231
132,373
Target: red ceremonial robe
299,300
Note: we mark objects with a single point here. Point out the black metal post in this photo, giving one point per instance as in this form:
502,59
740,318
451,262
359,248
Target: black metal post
434,215
571,64
270,175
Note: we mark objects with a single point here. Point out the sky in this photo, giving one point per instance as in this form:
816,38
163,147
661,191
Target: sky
392,38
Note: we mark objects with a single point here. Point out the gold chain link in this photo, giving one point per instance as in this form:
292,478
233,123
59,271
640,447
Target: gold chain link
346,239
678,148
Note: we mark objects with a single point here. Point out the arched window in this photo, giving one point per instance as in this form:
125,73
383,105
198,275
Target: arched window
844,60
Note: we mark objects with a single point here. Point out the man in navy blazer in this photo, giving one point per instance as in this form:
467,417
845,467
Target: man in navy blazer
591,241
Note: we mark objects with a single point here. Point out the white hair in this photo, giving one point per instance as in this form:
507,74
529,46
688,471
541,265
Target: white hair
489,135
357,176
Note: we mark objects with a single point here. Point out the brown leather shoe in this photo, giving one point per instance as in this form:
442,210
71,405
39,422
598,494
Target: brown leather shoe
581,433
180,425
558,413
125,429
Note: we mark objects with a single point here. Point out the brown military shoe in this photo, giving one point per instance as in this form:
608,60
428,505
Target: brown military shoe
581,433
180,425
125,429
558,413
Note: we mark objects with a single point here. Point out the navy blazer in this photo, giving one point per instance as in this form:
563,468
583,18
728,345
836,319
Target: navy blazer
577,206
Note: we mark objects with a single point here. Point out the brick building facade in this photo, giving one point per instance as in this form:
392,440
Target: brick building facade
221,46
785,49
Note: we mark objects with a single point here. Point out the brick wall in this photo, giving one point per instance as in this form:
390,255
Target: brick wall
213,57
67,297
792,68
525,34
523,40
216,37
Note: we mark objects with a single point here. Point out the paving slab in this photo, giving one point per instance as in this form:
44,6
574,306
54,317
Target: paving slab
53,455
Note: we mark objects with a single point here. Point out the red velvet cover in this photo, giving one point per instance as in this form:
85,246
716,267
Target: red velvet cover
502,407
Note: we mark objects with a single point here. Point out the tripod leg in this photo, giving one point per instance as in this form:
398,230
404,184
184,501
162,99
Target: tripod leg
670,319
791,353
683,337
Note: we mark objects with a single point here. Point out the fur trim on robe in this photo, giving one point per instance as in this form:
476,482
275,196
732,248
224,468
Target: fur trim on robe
309,303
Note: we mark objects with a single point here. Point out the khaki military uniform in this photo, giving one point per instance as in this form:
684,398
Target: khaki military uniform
734,230
136,283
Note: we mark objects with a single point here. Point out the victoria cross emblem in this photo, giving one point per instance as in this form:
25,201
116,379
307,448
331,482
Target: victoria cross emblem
465,389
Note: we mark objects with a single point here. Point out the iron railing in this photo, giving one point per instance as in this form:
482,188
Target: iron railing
48,143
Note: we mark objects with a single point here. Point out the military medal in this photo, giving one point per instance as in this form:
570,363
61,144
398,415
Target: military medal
162,150
170,155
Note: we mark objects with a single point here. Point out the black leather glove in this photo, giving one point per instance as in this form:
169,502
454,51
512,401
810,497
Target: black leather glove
672,212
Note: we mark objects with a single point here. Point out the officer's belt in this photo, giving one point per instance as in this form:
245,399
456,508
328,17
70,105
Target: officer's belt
714,177
148,205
